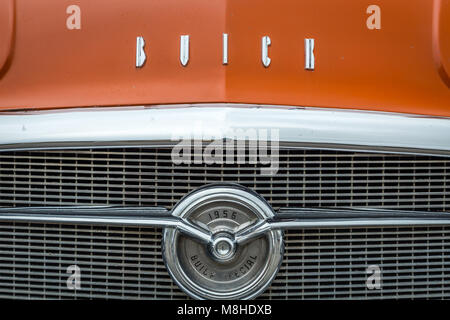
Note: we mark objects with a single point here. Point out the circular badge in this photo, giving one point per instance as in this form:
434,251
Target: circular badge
222,269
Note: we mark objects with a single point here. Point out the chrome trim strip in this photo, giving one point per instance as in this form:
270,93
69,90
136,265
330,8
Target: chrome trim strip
89,211
259,229
355,213
286,219
303,218
104,215
310,127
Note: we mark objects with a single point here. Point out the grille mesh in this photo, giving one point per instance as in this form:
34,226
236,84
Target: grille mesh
147,176
123,262
115,262
332,263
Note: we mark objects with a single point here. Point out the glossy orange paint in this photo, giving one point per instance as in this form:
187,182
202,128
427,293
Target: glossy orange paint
401,68
6,34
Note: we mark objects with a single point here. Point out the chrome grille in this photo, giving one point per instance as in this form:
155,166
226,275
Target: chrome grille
115,262
148,177
332,263
118,262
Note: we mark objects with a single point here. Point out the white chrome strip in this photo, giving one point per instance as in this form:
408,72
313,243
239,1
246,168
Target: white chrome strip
165,123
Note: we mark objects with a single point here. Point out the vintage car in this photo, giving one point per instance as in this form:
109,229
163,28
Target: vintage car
224,149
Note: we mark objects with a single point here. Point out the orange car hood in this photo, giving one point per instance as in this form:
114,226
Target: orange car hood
402,67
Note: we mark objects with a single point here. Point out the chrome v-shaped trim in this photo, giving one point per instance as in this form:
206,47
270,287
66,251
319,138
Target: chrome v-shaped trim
287,218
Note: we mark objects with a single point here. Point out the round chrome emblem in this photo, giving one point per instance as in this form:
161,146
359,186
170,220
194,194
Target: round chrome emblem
222,269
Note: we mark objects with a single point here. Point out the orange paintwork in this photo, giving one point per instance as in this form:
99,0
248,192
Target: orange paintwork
404,67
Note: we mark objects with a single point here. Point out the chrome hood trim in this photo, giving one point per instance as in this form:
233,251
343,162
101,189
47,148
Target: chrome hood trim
305,127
